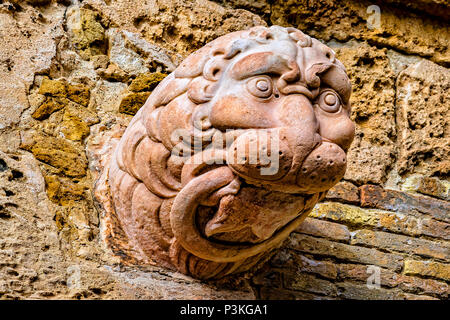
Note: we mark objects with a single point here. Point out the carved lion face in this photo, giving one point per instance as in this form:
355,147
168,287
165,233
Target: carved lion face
184,188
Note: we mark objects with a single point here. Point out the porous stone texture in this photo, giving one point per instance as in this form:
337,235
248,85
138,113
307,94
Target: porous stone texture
67,68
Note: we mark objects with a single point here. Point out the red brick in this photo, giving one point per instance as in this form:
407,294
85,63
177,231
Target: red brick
324,229
358,217
291,260
355,291
391,279
376,197
343,251
396,242
309,283
344,192
434,228
268,293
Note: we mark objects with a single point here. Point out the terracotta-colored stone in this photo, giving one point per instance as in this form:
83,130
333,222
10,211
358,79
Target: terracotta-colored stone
228,90
399,99
344,192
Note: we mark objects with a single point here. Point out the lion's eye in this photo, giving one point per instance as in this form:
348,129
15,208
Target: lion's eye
260,87
329,101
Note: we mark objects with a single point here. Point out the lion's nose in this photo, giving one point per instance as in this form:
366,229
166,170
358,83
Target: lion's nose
323,168
338,129
296,111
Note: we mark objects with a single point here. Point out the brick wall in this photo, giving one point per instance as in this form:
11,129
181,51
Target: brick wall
330,256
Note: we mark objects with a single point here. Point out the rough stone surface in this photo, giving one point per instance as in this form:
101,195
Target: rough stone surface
345,192
377,197
400,243
324,229
357,254
372,152
428,186
423,99
428,38
50,244
427,269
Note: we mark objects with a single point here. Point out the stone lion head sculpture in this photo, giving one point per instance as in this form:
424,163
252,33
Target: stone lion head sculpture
183,188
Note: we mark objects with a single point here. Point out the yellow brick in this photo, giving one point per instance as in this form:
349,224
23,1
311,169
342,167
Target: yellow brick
348,214
428,268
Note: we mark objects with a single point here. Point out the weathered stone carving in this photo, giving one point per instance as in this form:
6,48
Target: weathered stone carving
183,188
